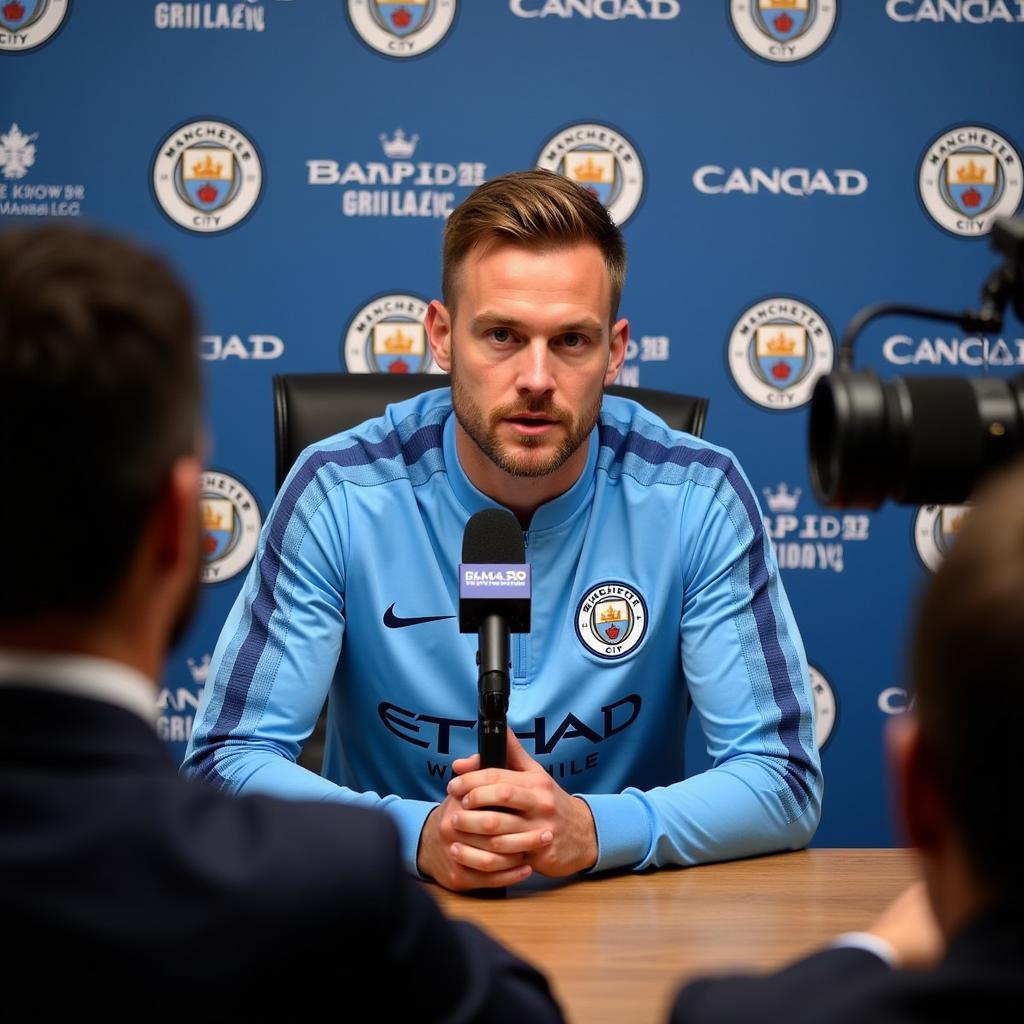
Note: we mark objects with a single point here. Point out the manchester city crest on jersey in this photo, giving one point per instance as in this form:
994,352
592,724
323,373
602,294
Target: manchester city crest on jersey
402,28
603,161
207,176
968,176
230,520
611,619
387,336
935,531
777,350
784,31
26,24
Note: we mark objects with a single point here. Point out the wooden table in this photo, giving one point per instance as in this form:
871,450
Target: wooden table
616,949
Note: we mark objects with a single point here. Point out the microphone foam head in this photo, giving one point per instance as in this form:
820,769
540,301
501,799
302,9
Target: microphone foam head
493,535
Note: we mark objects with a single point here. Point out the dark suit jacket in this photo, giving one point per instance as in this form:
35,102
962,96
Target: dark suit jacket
980,979
124,888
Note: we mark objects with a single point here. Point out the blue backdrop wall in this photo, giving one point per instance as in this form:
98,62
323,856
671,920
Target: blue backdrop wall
776,164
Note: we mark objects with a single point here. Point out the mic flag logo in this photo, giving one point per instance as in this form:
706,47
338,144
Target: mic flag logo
489,581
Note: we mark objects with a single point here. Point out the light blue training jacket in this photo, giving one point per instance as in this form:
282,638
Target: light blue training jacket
654,586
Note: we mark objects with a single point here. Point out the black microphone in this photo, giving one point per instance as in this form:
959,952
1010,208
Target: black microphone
494,601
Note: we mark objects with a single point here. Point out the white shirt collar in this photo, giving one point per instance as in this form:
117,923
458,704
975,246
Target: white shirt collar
81,676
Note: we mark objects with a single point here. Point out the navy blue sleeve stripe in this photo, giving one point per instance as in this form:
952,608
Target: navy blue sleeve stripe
205,768
361,453
800,764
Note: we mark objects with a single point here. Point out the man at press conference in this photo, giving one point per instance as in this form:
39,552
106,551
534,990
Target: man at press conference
952,948
120,882
654,585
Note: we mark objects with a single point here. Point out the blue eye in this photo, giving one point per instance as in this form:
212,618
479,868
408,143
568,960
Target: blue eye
501,334
573,340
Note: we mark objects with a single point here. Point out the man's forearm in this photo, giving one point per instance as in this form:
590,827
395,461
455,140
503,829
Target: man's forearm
734,810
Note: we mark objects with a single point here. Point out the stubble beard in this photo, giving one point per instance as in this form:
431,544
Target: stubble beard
483,430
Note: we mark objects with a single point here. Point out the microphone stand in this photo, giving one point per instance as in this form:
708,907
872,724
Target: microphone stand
492,708
494,689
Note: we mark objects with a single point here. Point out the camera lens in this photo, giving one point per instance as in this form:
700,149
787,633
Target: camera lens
914,440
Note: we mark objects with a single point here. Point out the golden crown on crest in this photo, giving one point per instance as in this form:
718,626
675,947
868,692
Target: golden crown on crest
971,173
207,168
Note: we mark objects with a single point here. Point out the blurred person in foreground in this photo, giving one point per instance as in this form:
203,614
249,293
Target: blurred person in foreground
950,948
121,883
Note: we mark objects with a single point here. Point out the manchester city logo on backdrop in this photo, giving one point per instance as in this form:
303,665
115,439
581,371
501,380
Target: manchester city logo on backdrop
969,176
935,530
603,161
230,524
26,24
402,28
825,708
784,30
611,619
777,350
387,336
207,176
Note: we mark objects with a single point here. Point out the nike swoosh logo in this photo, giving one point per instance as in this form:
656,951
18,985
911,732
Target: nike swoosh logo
392,621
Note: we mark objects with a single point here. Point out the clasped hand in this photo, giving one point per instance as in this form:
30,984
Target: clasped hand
497,826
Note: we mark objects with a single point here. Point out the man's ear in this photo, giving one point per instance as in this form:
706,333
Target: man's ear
176,515
438,323
616,350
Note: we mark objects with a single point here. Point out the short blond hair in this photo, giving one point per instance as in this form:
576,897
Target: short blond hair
536,209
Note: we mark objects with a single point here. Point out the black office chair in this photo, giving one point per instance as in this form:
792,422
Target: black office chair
311,406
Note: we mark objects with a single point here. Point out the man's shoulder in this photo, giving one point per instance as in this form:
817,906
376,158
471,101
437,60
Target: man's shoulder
640,444
329,840
150,865
844,985
256,848
95,770
836,985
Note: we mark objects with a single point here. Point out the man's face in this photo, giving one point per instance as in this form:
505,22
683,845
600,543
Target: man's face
530,352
